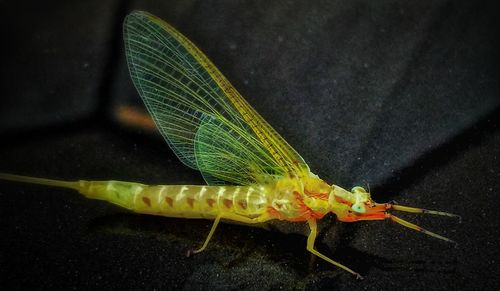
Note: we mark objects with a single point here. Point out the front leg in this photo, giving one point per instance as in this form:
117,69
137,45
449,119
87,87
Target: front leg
310,247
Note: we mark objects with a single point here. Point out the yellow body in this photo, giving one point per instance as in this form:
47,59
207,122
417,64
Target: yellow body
186,201
291,199
212,128
284,199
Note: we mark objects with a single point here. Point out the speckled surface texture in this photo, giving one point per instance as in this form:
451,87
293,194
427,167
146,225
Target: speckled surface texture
401,96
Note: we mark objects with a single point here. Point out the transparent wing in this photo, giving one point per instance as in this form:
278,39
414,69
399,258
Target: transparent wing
232,155
181,87
172,83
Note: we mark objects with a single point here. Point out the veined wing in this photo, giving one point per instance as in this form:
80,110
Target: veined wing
232,155
182,89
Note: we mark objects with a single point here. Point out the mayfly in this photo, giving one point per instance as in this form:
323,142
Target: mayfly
253,175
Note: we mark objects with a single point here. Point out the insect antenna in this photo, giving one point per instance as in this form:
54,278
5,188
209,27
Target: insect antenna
424,211
420,229
421,211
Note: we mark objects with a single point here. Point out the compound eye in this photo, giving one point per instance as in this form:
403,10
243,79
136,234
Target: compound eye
358,207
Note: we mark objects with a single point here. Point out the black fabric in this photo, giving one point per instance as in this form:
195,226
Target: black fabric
400,96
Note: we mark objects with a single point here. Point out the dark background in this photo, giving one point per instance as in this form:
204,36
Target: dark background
402,96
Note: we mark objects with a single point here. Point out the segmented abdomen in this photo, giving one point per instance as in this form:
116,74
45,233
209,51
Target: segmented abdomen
182,200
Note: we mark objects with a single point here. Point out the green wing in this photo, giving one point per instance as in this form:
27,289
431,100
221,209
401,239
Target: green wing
209,126
233,155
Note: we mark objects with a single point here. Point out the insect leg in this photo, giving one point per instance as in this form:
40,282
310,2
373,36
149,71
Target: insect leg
244,219
310,247
210,234
230,216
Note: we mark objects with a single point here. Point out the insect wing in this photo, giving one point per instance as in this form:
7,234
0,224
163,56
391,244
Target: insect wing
232,155
182,89
172,83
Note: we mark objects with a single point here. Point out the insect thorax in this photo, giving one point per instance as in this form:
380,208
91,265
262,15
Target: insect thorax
300,199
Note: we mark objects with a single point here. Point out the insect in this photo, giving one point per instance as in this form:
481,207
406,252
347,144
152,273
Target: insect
253,175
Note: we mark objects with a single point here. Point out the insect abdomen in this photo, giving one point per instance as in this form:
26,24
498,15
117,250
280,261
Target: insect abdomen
181,200
116,192
200,201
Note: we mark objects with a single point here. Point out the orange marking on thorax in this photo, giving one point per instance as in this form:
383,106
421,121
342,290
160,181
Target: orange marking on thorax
340,200
318,195
146,201
190,201
304,213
